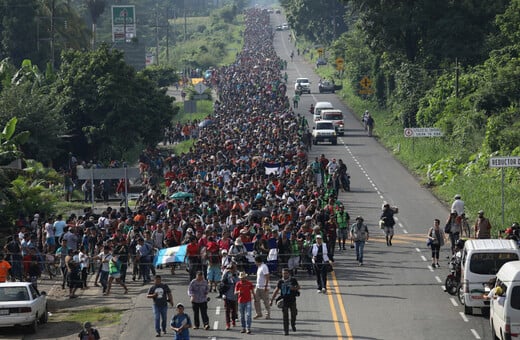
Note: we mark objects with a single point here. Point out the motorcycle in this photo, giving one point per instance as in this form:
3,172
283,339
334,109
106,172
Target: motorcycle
452,282
453,279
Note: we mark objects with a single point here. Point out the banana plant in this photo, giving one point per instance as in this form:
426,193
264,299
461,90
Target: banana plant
10,143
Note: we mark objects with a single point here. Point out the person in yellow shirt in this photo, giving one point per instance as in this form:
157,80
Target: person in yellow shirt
4,269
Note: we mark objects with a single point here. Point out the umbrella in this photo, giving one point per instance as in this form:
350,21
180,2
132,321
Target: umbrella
181,195
205,122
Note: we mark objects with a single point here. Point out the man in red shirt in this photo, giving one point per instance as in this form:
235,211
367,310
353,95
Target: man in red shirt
244,289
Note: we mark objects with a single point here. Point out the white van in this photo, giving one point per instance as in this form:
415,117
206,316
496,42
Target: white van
481,261
504,315
336,116
318,108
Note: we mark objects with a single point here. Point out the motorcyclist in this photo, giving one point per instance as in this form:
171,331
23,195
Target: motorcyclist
311,109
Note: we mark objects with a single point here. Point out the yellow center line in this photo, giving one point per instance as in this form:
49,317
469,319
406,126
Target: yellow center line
342,310
334,316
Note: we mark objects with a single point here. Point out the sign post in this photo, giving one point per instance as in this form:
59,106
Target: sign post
123,23
504,162
421,132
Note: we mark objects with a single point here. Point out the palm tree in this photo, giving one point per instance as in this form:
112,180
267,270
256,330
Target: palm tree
96,8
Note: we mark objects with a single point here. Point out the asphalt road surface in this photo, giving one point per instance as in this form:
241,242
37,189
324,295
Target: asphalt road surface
395,295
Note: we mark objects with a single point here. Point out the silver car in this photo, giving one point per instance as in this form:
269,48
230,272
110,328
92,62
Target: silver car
22,305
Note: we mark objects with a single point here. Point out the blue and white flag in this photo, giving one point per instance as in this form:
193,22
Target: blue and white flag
170,255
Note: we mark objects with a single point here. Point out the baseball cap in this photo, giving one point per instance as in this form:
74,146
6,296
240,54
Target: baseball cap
87,325
318,236
179,305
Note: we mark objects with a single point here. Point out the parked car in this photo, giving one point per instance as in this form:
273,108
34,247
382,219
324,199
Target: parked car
279,28
326,86
285,26
22,305
302,85
324,131
321,62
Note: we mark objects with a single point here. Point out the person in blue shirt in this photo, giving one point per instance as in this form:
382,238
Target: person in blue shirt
181,323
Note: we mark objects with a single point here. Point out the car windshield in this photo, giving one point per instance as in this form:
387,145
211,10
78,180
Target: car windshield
333,116
13,294
325,126
302,80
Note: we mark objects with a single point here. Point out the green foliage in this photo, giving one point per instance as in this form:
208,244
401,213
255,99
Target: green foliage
161,75
108,106
10,143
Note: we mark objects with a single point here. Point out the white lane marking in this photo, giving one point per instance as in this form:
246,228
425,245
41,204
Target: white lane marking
217,311
381,196
405,231
463,316
438,279
401,225
454,302
215,325
423,258
475,334
418,250
431,269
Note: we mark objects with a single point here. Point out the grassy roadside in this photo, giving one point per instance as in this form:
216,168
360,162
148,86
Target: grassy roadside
434,161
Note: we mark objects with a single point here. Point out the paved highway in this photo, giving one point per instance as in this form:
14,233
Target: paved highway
395,295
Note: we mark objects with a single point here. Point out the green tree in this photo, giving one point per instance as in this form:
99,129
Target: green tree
109,108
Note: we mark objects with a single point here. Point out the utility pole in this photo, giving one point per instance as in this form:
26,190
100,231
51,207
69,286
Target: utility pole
456,78
157,31
53,3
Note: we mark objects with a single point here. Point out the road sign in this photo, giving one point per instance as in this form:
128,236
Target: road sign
200,88
365,82
423,132
320,50
339,61
366,91
123,23
504,162
108,173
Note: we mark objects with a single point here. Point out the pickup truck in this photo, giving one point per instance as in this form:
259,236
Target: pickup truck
324,131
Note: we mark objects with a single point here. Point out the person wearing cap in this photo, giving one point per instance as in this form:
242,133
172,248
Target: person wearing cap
238,254
244,289
88,332
482,226
320,260
181,323
458,206
359,235
229,280
198,290
162,296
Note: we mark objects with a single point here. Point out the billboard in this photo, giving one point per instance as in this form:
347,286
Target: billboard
123,23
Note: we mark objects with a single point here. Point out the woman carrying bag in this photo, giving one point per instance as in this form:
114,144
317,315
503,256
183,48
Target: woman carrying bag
436,238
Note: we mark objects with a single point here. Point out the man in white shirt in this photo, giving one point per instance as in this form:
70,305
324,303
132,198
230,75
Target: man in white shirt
458,205
262,289
59,226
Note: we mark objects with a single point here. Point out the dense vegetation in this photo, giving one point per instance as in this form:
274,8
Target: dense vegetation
71,92
453,65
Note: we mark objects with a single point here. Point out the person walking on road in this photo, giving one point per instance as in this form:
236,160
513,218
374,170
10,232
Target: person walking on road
198,292
245,291
161,295
359,234
453,228
389,222
180,324
296,99
343,220
320,260
458,207
230,279
370,125
436,238
289,289
482,226
262,289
